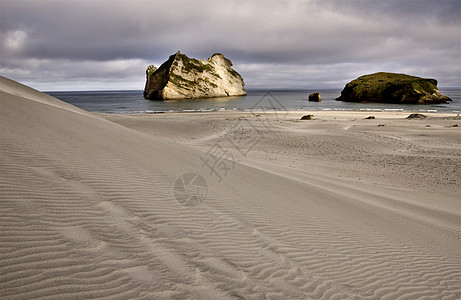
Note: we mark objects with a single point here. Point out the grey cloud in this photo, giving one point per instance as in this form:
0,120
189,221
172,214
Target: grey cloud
413,11
418,35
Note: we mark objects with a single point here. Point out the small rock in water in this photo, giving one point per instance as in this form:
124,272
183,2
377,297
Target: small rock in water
315,97
307,117
416,116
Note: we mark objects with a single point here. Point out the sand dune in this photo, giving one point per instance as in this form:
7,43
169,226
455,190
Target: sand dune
88,210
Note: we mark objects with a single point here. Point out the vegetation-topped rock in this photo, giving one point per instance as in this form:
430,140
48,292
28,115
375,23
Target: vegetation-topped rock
181,77
393,88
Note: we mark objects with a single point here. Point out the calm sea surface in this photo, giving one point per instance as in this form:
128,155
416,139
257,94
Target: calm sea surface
133,102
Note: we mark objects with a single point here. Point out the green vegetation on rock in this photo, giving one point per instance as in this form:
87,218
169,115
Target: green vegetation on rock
233,72
150,70
216,75
191,64
181,81
393,88
181,77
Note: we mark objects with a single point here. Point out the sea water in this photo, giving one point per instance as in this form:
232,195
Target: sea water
127,102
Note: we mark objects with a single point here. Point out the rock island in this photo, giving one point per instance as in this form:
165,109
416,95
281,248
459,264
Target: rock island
181,77
393,88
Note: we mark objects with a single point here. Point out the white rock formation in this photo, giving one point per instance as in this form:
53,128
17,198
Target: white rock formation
181,77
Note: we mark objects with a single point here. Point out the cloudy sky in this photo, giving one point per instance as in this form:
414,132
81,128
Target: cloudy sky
107,44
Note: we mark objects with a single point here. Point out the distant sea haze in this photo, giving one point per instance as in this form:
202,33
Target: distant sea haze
121,102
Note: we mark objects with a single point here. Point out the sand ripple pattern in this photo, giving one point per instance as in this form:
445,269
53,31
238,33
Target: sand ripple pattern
87,211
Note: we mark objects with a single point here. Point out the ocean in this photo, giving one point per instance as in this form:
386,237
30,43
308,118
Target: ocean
131,102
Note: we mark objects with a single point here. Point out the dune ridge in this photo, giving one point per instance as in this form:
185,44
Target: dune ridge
87,211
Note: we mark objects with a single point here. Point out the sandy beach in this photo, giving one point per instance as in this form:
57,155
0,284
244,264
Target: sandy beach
337,207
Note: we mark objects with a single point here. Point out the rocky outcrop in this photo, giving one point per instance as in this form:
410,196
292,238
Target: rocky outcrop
307,117
181,77
315,97
416,116
393,88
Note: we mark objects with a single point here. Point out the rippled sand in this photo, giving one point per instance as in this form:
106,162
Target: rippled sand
331,208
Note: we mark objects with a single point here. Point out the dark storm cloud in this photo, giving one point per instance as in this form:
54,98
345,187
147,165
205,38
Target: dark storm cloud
442,12
287,43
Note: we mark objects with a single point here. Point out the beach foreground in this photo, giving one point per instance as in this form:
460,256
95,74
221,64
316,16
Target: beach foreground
338,207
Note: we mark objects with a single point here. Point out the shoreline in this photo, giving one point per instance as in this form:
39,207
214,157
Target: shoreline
390,113
290,100
307,111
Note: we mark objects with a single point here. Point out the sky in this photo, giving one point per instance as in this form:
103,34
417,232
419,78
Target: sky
293,44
